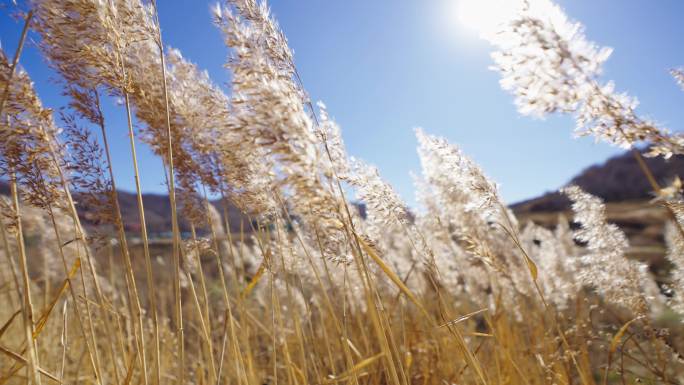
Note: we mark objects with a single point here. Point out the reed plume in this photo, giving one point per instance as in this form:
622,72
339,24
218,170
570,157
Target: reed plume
549,65
606,245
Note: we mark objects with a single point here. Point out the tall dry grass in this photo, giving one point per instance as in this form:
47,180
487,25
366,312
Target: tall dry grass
312,289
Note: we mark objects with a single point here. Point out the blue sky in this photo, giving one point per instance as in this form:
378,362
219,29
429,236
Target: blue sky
385,67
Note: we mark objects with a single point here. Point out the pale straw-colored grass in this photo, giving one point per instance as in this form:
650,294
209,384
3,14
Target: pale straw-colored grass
313,288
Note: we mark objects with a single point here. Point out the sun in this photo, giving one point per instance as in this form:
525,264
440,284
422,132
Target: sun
485,16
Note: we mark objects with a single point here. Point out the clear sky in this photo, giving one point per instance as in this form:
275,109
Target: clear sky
385,67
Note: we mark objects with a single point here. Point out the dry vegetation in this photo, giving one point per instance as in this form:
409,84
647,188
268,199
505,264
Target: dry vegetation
457,292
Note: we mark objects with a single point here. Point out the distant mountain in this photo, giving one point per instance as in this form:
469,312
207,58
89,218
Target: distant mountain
622,185
618,179
157,212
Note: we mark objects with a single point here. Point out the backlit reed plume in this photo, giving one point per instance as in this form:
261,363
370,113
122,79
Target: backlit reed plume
222,161
604,267
268,107
678,75
475,220
546,61
557,258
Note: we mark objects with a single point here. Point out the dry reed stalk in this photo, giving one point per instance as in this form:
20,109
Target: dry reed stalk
15,60
118,219
136,312
204,311
63,340
91,345
243,364
203,326
5,96
326,300
293,372
27,308
10,260
172,198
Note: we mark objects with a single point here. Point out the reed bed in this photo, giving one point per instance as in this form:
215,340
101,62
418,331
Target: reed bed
313,289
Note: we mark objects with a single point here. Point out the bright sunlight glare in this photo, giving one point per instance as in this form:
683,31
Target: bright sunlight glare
485,16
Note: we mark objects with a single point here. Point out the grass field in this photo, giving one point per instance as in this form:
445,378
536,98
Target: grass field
314,290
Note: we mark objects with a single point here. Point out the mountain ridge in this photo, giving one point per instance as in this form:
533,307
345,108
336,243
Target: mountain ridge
157,208
618,179
628,198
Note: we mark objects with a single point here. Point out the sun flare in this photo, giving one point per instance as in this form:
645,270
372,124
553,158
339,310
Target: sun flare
485,16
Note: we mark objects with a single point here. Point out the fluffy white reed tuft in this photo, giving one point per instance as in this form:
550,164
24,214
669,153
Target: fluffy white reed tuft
619,280
546,61
678,75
